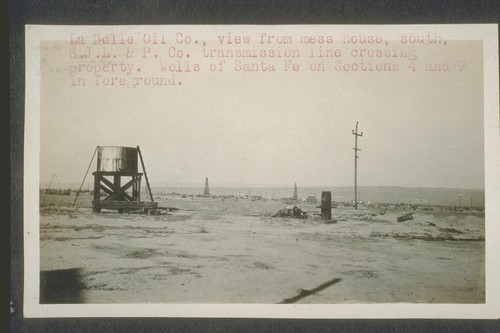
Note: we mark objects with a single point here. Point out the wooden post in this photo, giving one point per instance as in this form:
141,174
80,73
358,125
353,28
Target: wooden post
117,182
48,187
326,205
145,174
135,188
83,181
97,193
139,189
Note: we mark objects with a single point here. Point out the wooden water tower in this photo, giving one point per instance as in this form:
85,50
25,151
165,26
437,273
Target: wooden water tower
117,177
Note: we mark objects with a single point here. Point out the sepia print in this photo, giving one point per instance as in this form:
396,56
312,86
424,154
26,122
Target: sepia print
268,171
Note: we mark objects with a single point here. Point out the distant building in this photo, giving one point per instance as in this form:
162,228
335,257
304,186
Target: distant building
288,201
312,200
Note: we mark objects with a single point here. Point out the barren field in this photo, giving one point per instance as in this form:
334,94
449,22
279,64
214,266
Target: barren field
215,250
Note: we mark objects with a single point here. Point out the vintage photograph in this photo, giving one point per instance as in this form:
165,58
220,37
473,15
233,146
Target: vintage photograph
258,165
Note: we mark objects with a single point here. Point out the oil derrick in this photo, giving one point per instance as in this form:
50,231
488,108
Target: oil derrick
206,191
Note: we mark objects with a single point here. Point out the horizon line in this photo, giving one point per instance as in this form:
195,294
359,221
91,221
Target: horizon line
284,186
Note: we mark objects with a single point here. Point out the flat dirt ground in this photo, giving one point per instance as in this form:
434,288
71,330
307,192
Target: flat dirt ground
216,250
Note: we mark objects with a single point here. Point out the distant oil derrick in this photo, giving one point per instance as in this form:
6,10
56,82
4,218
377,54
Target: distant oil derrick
206,191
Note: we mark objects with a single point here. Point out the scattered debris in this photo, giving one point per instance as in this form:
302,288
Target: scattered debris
452,230
405,217
169,209
288,201
425,236
262,265
312,200
289,211
53,191
301,293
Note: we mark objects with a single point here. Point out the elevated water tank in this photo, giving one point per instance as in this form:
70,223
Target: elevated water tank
117,159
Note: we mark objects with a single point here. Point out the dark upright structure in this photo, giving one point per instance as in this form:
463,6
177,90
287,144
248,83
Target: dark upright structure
206,191
326,205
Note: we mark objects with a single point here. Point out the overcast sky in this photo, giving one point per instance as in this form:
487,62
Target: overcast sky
420,129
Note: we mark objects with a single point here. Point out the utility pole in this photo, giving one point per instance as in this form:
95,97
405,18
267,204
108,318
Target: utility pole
356,134
48,187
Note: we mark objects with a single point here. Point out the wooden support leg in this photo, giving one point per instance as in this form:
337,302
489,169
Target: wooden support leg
96,206
139,189
117,180
134,188
97,194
